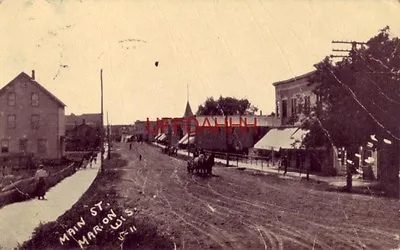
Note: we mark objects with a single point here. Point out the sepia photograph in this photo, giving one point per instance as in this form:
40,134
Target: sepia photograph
203,124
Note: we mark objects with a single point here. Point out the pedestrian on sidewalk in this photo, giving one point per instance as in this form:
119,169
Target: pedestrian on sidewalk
40,175
285,164
140,157
95,157
84,163
130,146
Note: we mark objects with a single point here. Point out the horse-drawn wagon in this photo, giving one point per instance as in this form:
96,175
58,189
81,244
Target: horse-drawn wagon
171,151
201,165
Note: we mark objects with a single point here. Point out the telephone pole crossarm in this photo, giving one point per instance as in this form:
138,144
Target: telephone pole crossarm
349,42
341,50
351,51
333,56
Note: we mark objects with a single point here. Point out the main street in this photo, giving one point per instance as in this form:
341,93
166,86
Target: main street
249,210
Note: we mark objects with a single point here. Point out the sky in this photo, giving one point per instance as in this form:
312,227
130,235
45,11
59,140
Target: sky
216,47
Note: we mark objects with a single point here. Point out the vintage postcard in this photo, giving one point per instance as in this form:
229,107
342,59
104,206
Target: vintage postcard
204,124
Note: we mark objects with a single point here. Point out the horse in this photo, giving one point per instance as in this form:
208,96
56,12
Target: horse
195,163
202,164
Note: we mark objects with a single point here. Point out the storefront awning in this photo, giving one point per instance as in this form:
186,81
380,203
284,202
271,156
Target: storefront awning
185,140
162,137
125,138
285,138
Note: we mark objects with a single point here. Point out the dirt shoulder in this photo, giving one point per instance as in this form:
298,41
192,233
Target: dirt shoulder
97,220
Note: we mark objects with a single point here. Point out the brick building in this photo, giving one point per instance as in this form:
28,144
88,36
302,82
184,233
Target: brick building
232,133
294,97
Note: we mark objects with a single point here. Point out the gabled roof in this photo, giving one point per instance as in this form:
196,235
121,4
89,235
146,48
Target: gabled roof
188,110
22,76
81,126
88,118
296,78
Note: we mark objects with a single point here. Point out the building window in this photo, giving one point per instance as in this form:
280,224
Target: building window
284,108
11,99
23,145
294,106
35,99
277,109
35,121
42,146
4,145
11,121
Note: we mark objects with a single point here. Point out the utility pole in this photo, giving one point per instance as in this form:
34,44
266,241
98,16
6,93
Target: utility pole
108,139
102,123
188,125
352,52
226,140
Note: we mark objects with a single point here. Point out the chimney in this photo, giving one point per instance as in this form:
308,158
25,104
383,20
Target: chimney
33,74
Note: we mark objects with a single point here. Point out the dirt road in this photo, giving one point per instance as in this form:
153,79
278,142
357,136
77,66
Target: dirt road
245,210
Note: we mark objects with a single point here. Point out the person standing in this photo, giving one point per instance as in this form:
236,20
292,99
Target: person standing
40,175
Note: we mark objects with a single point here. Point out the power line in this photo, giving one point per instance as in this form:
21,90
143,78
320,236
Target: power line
353,52
375,72
363,107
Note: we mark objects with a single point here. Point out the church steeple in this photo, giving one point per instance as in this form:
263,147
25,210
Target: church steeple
188,109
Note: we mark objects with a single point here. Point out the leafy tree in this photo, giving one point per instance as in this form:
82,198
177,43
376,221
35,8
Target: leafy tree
360,95
226,106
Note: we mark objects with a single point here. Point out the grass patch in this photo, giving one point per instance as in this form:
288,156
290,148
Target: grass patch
98,221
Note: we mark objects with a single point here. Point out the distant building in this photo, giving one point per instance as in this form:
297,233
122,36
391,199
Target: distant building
142,130
117,132
232,133
72,120
171,131
83,137
83,132
294,98
32,119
